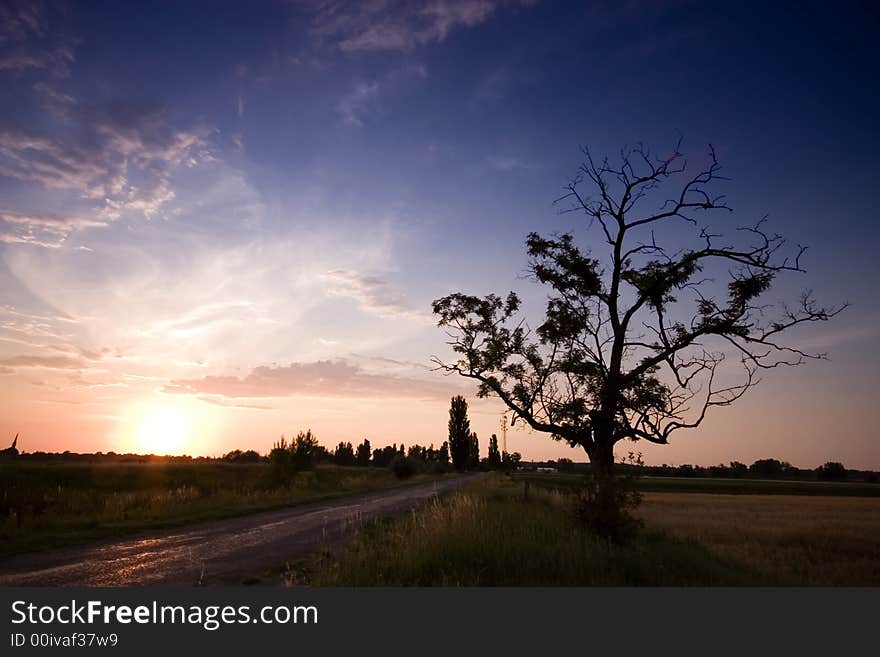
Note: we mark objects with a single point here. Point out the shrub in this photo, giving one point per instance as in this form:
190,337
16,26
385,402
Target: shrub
404,467
607,513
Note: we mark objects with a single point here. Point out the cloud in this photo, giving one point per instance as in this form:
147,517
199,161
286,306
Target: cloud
509,163
34,326
120,158
362,100
26,41
48,231
392,361
219,401
401,25
373,294
323,378
51,362
202,318
178,304
57,102
356,103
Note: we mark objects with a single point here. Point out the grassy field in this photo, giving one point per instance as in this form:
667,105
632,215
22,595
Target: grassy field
791,539
51,504
487,535
711,485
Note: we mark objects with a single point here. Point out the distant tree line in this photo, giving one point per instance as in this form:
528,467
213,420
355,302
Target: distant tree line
304,452
760,469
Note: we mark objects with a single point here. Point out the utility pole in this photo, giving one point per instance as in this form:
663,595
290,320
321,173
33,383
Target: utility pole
504,430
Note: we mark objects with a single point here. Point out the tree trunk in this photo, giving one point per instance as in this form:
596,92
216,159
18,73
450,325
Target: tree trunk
602,508
602,460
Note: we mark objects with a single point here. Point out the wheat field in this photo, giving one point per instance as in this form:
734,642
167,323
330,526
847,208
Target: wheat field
788,538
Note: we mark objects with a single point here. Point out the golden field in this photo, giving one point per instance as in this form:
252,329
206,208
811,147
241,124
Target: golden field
790,539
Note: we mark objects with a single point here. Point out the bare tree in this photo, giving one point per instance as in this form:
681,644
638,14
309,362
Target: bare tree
632,344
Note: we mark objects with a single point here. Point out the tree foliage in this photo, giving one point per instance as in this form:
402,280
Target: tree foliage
363,453
460,445
344,454
473,460
494,457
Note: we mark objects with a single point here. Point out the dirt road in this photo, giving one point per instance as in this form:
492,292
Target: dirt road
222,552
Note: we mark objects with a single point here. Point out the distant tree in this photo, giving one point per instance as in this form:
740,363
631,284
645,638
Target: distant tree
232,456
636,327
279,459
383,457
443,455
738,469
364,453
510,461
322,455
344,454
459,433
474,452
565,465
768,468
494,458
303,450
831,471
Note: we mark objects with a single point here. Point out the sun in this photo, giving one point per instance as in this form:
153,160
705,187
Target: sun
163,430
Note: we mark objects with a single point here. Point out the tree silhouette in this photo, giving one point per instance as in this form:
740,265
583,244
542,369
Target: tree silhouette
459,433
831,471
494,458
364,453
473,460
303,450
633,341
344,454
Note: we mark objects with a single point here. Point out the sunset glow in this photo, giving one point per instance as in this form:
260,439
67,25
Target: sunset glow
164,430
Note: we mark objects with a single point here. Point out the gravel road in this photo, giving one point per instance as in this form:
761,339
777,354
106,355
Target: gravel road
220,552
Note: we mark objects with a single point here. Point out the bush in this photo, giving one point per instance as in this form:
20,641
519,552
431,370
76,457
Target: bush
404,467
831,471
437,467
605,508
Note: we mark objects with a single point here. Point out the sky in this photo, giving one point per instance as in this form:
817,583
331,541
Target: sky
221,222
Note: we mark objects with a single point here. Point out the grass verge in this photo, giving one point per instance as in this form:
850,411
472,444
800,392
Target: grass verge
52,505
487,535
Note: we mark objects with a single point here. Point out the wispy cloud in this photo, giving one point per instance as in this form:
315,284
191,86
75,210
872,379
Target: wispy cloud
120,158
352,106
363,99
323,378
401,25
220,401
373,294
50,362
33,327
26,42
48,231
510,163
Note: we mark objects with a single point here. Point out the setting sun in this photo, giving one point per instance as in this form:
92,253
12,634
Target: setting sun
163,430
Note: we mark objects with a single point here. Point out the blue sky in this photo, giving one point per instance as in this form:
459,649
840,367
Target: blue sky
242,213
